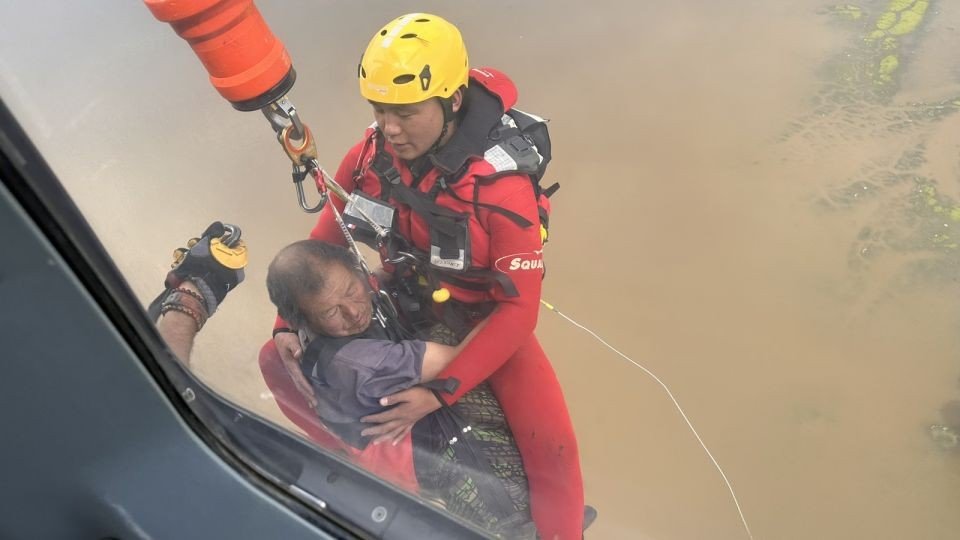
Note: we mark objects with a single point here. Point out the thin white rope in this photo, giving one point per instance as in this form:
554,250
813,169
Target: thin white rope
675,403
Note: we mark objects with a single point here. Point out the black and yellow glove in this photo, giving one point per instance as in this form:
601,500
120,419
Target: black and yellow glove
213,262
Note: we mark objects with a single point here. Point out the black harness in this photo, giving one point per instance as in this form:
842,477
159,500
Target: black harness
520,145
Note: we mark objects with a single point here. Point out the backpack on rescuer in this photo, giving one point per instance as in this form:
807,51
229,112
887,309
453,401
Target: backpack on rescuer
533,130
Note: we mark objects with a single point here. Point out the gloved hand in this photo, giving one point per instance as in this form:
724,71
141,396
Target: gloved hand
214,263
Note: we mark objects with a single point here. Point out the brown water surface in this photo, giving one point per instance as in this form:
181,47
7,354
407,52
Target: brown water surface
688,233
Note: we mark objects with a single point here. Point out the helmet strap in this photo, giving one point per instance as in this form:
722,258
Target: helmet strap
436,145
448,116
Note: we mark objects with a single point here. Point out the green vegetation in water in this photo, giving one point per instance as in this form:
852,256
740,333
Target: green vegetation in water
869,71
861,81
936,214
925,225
855,109
945,437
901,18
930,200
848,12
888,67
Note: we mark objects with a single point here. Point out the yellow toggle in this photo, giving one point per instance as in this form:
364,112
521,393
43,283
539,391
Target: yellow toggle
543,234
548,305
234,258
441,295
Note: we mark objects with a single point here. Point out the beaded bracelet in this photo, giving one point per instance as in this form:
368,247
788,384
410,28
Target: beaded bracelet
197,317
198,296
177,297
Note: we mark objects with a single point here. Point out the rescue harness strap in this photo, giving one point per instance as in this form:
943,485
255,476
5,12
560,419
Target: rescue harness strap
440,218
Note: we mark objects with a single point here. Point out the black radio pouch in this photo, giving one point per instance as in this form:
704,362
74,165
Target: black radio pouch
450,243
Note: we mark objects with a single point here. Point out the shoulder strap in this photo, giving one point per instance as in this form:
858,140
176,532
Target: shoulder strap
509,214
391,184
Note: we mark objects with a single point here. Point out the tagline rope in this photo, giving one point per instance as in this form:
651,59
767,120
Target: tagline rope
673,399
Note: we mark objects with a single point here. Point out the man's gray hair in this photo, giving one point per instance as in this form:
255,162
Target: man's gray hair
298,270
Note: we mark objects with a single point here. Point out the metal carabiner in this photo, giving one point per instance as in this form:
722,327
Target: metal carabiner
300,173
231,235
281,113
288,127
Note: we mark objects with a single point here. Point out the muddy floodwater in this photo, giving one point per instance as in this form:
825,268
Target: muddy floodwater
760,203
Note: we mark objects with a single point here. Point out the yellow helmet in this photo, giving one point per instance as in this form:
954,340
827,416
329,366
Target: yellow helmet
413,58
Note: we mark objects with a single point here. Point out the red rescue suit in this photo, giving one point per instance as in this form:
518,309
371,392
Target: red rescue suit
471,178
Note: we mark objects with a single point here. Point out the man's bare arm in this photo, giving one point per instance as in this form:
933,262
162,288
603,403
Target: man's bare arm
203,279
179,329
437,356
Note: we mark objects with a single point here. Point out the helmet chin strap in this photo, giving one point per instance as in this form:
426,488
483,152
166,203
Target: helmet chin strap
448,115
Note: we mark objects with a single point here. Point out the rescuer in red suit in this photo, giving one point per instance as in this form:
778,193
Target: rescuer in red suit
445,154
